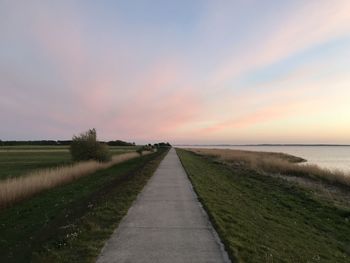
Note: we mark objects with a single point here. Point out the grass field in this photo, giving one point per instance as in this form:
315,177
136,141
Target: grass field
266,219
19,160
15,163
70,223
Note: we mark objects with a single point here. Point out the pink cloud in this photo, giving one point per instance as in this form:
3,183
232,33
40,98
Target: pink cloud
264,115
154,117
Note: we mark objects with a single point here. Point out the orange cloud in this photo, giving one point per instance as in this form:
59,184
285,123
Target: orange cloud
306,105
260,116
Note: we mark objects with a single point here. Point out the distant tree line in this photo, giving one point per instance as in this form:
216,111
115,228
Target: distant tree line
69,142
41,142
154,147
162,145
120,143
59,142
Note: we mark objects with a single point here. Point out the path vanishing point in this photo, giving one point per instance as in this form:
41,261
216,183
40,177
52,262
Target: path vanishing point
165,224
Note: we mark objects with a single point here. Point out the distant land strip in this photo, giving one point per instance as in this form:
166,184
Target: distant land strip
289,144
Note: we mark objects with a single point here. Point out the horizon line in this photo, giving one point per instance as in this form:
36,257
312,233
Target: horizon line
268,144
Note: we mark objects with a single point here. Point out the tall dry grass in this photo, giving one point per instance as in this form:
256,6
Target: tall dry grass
16,189
278,163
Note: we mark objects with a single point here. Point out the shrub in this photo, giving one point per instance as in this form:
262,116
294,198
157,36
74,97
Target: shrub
86,147
139,150
162,145
146,148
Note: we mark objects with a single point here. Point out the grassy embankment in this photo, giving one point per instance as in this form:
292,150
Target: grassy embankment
70,223
267,219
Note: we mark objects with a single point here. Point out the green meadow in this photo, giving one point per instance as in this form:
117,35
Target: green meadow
20,160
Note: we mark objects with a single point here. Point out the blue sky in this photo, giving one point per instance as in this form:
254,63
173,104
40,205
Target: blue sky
181,71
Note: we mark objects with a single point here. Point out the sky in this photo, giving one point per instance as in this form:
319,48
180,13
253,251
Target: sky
198,72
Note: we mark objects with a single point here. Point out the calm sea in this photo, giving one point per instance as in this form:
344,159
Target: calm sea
331,157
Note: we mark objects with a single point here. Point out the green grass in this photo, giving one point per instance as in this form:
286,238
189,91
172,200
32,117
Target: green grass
122,149
266,219
17,163
20,160
71,223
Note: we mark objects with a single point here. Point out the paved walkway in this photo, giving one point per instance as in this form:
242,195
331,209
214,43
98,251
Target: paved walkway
165,224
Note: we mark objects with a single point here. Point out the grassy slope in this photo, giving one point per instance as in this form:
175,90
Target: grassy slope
265,219
71,223
19,160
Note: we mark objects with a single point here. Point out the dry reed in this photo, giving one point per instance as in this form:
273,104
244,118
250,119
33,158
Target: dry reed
278,163
15,189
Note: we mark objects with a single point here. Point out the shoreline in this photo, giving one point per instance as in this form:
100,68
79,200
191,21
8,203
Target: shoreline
334,158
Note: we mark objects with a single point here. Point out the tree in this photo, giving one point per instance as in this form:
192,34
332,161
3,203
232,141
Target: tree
86,147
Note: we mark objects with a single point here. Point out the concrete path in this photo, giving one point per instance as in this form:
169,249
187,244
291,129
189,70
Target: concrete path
165,224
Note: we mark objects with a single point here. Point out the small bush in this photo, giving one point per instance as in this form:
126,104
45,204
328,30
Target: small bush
86,147
139,150
145,148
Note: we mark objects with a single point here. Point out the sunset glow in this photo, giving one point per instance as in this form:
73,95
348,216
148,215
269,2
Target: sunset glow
180,71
